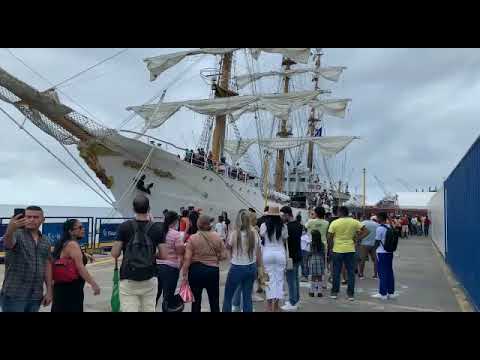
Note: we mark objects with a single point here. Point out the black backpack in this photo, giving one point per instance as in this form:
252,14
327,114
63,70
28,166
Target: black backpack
139,256
391,240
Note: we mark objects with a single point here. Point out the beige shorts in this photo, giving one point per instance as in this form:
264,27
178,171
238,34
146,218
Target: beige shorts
138,296
365,250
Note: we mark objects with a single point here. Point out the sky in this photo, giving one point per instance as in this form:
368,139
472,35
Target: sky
414,109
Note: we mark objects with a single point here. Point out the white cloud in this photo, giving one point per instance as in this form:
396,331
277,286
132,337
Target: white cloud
415,108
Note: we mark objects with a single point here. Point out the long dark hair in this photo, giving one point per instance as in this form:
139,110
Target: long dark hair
317,244
193,217
170,218
67,227
274,225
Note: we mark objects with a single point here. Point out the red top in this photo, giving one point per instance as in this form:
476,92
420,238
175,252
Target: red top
184,222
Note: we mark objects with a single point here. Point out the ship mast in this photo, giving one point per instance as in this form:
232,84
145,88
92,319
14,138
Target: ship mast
312,120
221,120
45,104
280,164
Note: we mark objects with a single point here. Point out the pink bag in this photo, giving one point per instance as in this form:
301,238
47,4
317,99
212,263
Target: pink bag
186,293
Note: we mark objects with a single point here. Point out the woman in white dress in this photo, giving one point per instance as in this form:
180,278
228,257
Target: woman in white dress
275,234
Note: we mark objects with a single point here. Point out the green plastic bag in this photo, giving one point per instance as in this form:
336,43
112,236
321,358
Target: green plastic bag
115,300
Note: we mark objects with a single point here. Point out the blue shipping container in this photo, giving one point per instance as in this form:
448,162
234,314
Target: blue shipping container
462,217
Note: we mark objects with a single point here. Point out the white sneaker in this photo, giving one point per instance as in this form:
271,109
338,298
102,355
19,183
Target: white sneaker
236,308
289,307
392,296
380,296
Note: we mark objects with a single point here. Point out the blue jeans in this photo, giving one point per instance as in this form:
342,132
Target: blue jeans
293,282
14,305
337,261
240,278
306,263
237,297
385,273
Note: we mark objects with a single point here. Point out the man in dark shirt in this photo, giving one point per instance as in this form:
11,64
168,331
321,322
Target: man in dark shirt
295,253
262,218
139,295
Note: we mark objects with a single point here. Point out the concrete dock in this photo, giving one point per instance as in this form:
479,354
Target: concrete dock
423,283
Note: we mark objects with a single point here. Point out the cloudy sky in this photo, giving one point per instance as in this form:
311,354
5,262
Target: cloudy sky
415,109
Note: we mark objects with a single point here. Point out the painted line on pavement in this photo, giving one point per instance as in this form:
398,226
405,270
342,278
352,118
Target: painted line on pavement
100,262
457,289
397,306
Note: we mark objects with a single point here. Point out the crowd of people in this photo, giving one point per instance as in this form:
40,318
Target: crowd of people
274,250
201,159
406,225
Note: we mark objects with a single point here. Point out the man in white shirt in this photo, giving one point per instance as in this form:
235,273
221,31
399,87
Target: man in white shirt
221,228
414,225
385,261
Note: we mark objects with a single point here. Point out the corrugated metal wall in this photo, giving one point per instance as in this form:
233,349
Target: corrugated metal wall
436,213
462,213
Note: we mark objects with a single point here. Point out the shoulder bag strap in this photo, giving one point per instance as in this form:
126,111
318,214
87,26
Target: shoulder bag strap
210,244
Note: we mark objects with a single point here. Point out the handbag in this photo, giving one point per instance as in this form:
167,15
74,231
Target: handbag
64,271
185,292
178,304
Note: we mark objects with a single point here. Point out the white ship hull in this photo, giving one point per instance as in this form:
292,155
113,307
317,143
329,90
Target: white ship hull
190,185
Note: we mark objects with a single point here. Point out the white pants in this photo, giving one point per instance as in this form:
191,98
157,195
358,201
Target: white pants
138,296
275,263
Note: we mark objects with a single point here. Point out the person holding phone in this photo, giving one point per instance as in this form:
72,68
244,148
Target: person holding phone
28,263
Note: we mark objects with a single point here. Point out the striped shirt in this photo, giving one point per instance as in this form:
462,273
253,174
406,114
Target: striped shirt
172,239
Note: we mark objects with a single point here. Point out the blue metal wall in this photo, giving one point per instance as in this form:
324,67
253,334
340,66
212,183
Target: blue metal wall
462,213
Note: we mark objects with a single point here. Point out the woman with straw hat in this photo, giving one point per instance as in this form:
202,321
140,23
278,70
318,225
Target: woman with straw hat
275,234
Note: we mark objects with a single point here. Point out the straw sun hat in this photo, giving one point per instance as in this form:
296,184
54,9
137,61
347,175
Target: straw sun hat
273,211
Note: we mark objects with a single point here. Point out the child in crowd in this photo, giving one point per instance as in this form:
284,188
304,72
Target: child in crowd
306,241
317,264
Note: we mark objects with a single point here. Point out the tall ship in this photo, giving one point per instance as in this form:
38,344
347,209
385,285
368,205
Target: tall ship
276,159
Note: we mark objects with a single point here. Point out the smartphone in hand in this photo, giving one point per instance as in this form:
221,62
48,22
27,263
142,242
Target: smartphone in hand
18,212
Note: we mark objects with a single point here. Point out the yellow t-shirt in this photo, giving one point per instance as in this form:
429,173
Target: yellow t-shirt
344,230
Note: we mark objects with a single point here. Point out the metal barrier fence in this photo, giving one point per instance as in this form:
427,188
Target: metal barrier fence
52,229
106,230
100,233
462,216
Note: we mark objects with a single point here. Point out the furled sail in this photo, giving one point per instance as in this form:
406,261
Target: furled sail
333,107
158,64
331,73
328,145
278,104
300,55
